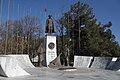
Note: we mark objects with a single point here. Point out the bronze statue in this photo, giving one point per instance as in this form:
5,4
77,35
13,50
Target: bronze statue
49,25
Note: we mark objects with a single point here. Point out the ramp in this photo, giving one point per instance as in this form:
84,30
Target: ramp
111,65
116,65
82,61
9,67
23,61
101,62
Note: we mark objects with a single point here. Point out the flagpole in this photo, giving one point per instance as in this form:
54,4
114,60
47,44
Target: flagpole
68,34
1,22
23,33
44,31
1,13
79,28
34,44
23,38
73,29
29,36
62,29
79,38
12,28
79,34
6,38
17,32
45,26
73,37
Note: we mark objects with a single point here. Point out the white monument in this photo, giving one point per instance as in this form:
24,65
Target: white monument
51,52
51,41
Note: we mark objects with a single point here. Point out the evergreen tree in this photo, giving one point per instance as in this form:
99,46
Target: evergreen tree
85,35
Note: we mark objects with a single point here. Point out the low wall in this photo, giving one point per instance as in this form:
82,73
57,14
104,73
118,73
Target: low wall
111,65
9,67
116,65
101,62
108,63
82,61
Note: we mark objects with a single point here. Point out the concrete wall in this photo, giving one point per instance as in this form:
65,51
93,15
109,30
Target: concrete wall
111,65
101,62
116,65
9,67
108,63
23,61
82,61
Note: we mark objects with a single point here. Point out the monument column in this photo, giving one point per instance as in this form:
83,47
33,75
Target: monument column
51,52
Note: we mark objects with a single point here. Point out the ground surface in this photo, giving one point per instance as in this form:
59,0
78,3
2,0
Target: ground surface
79,74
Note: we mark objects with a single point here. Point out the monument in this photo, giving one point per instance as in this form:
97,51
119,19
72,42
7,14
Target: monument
49,25
51,52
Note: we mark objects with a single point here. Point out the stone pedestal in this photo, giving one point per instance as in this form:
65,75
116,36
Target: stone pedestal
51,52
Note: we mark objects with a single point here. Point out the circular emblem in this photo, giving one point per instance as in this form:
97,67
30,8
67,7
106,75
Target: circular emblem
51,45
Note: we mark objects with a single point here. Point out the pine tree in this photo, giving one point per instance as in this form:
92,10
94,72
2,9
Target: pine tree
89,36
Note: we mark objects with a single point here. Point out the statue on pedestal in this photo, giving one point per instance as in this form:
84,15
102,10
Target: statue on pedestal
49,25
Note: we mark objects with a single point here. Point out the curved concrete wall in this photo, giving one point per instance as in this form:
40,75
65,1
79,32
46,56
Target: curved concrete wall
82,61
101,62
9,67
23,61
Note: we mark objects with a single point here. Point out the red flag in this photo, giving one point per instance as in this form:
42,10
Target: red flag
45,8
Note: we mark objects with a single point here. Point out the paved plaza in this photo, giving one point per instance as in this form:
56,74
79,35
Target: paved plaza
78,74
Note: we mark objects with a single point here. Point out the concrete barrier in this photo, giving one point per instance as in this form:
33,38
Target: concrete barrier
101,62
116,65
82,61
23,61
9,67
111,65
